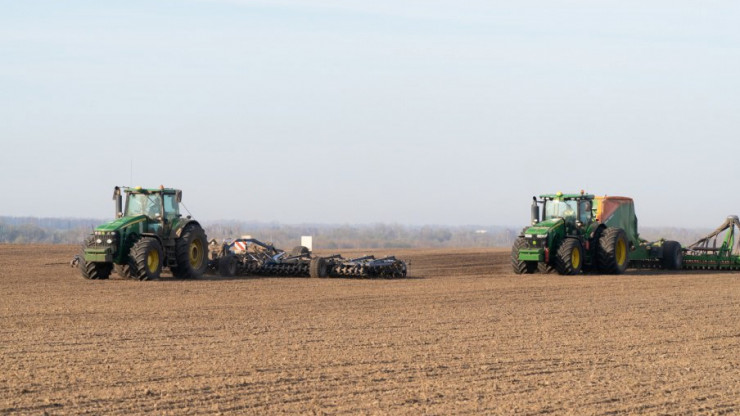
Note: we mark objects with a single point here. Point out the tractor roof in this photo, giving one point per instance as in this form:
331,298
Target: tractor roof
161,189
561,195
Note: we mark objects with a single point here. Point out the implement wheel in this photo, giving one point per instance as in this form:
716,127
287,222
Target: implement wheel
519,266
672,255
612,254
227,265
191,251
569,259
300,251
145,259
318,267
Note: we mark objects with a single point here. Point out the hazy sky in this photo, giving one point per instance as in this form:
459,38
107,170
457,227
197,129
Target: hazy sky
329,111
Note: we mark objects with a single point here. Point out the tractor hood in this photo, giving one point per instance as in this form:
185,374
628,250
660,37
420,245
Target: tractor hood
120,223
544,227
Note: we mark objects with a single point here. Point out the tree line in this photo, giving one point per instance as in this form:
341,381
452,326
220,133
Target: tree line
27,230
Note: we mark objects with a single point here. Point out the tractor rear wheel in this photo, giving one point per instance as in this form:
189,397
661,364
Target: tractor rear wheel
672,255
227,265
318,267
145,259
612,253
519,266
191,253
569,259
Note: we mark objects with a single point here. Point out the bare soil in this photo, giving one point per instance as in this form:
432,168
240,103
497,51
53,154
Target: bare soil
462,335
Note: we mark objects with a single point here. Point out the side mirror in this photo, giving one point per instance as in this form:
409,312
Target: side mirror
178,196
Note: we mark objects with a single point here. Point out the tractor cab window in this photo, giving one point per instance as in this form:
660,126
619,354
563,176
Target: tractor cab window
561,209
171,207
584,212
143,204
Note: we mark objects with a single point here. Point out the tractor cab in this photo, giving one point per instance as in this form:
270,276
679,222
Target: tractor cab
576,210
162,203
160,206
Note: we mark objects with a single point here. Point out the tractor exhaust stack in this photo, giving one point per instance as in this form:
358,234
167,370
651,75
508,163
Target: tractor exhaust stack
535,211
119,201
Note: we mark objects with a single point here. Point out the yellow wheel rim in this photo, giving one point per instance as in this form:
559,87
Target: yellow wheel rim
621,253
575,258
196,254
152,261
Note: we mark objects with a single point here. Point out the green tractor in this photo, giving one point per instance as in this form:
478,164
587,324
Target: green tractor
146,236
583,232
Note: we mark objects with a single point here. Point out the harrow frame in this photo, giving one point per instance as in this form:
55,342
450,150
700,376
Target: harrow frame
705,254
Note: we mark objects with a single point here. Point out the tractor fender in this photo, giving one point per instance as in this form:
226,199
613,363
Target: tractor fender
593,237
155,236
596,232
181,226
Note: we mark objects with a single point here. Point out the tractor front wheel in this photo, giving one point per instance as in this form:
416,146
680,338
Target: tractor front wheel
569,259
545,268
123,270
145,259
191,251
519,266
93,270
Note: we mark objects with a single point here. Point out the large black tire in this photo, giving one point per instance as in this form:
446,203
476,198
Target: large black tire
521,267
300,251
191,252
92,270
672,255
318,267
612,253
145,259
545,268
227,265
95,271
569,258
123,270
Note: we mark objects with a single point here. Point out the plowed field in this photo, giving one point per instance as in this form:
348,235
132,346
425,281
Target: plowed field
462,335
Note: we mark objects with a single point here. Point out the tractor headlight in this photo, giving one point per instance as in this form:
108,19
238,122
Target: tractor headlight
109,241
98,241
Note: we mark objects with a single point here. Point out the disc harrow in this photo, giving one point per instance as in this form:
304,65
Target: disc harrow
251,257
367,266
